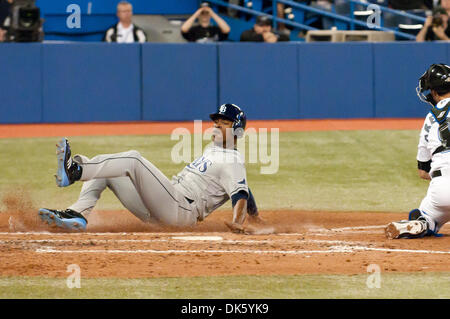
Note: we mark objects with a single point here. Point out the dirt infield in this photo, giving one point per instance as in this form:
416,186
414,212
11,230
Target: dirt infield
118,245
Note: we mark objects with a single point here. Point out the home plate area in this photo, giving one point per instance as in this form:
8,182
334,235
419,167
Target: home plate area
297,243
345,250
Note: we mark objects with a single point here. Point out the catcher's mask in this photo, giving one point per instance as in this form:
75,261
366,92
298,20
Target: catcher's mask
233,113
436,78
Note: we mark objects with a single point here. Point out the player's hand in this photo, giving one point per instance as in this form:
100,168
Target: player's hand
239,229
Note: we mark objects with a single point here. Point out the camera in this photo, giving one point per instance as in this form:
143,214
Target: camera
25,22
437,21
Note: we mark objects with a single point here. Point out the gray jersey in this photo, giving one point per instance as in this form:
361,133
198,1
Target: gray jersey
200,188
212,179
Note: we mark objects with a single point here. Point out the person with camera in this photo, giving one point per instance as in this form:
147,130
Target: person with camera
204,31
262,32
436,27
125,31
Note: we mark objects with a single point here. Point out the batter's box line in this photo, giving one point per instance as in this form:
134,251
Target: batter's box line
178,240
97,234
200,251
333,249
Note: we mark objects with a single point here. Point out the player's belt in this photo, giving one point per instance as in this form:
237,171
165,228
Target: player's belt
436,173
190,201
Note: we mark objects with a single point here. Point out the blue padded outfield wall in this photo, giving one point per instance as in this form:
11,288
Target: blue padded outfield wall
94,82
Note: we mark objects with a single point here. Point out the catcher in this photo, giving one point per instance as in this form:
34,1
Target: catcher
433,158
199,189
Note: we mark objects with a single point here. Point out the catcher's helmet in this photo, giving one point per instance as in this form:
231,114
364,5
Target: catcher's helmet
436,78
233,113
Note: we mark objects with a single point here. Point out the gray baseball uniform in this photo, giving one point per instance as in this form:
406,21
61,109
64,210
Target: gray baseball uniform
200,188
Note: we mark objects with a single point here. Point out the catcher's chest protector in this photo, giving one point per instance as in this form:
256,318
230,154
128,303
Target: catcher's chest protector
440,114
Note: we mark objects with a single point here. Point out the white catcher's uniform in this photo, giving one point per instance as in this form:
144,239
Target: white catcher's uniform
435,207
200,188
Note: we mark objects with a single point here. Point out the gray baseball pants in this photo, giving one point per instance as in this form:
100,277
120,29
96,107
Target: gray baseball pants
141,187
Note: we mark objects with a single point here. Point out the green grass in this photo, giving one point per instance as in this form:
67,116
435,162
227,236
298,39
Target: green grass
339,171
428,285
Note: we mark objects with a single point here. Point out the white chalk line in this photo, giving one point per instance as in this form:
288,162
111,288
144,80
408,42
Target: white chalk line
190,251
333,249
314,230
175,240
418,251
339,247
98,234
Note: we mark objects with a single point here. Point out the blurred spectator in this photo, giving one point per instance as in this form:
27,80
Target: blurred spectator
445,4
262,32
233,12
204,31
430,4
125,31
407,4
326,5
436,27
5,7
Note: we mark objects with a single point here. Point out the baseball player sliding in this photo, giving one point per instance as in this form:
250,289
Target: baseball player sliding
433,158
200,188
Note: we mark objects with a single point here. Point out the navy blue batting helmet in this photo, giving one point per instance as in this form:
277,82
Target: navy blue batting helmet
233,113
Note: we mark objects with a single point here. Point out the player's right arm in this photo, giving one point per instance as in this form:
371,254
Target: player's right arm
239,212
234,180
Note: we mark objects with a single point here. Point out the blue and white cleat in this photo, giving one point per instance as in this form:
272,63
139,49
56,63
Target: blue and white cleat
406,229
67,219
68,171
